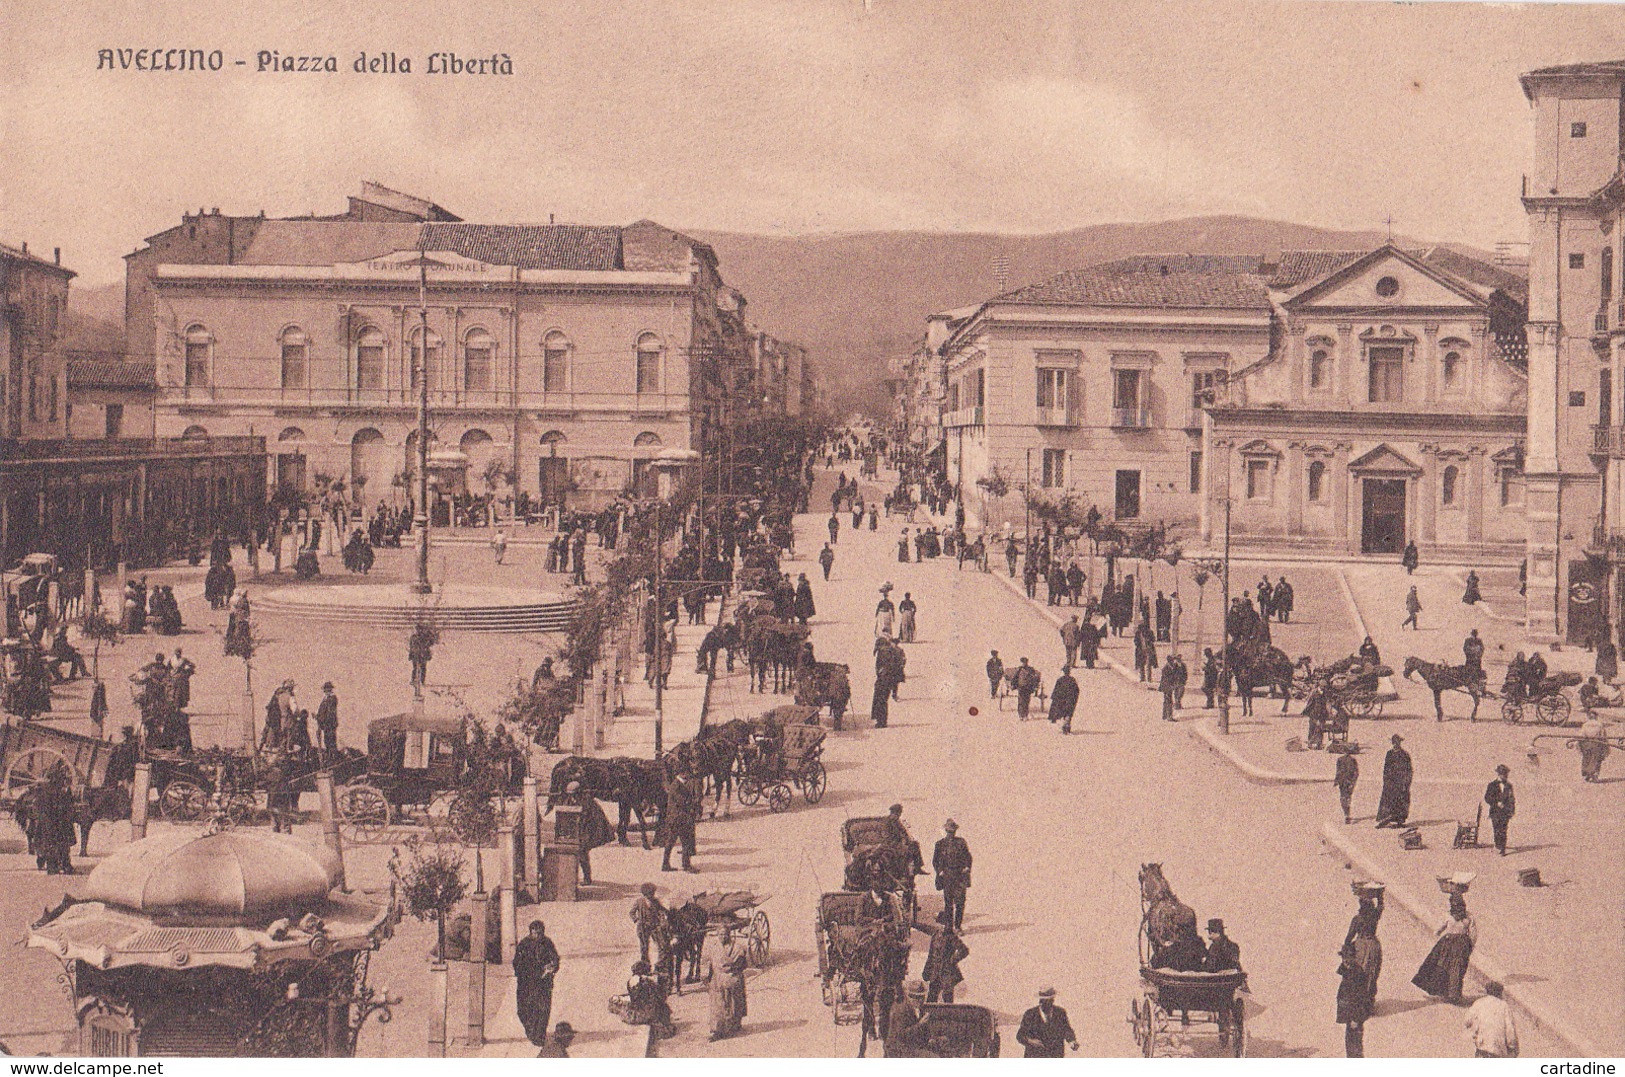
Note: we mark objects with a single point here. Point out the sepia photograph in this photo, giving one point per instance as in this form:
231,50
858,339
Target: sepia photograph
757,529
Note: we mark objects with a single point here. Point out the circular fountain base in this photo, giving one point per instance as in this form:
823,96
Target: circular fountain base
452,606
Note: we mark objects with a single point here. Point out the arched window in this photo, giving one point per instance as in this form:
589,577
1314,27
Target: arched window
553,438
295,358
647,440
194,432
1317,481
649,354
1452,370
369,359
556,363
199,352
417,357
479,351
289,434
1447,485
1320,369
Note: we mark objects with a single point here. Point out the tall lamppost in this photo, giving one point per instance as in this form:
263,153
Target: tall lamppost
421,517
1221,567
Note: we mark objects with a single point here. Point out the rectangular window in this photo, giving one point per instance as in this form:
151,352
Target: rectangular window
953,397
1126,389
114,421
476,368
1128,495
1054,470
197,363
1577,261
1196,472
369,366
294,365
1387,375
979,389
1577,130
1051,387
1205,388
648,372
555,371
1258,480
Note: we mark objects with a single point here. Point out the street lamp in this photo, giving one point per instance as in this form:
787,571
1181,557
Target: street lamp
1221,567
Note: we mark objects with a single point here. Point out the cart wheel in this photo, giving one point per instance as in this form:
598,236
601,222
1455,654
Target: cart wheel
778,797
32,767
364,810
1512,711
815,781
241,809
1145,1033
183,801
1553,709
1238,1029
759,937
750,791
1364,708
823,955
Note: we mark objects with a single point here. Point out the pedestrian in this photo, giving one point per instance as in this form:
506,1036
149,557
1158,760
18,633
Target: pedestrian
1409,558
1071,638
1594,747
419,650
1166,685
1283,600
1348,773
1413,606
805,608
1182,676
1394,802
1063,699
499,545
649,918
1362,935
1045,1031
906,610
951,860
559,1046
1503,805
327,722
535,963
1489,1023
1353,1001
880,705
1025,681
826,558
1470,594
1472,654
1266,598
1445,966
885,613
995,676
1210,677
1607,666
834,529
1175,611
679,818
1145,651
1164,612
902,547
941,972
725,972
53,818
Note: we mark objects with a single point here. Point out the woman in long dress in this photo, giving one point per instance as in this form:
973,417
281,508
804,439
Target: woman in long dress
1445,966
905,625
885,616
725,972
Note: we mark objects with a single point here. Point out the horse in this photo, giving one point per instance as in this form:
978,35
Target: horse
1165,919
712,755
1257,665
1442,678
637,786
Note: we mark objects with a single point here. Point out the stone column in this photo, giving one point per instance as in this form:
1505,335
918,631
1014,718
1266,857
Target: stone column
1427,499
1295,493
1475,494
477,903
327,809
510,923
1347,359
138,801
532,823
1346,497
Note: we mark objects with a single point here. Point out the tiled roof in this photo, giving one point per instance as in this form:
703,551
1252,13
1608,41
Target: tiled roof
1479,272
1601,67
1299,267
110,374
1302,267
8,251
530,246
323,243
1205,281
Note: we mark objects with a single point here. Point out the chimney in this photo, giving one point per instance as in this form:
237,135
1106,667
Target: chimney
215,212
549,218
25,246
57,254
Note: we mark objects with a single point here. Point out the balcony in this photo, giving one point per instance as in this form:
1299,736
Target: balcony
1135,418
1057,417
405,399
962,417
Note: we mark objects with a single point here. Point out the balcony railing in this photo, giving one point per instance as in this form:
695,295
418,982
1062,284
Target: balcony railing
1135,418
1057,417
407,398
962,417
114,448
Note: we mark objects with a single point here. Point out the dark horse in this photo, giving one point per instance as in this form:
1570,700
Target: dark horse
1165,918
1441,679
1258,665
637,786
712,755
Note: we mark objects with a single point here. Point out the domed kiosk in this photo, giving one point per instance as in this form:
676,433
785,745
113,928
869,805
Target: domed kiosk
228,944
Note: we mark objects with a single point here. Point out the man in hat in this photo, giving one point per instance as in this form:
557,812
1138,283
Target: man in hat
1498,796
1063,699
559,1046
327,722
1045,1031
906,1026
995,675
1394,802
649,916
535,963
952,861
1348,773
941,971
1222,952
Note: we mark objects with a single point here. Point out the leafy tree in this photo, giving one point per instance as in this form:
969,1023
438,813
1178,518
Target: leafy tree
430,883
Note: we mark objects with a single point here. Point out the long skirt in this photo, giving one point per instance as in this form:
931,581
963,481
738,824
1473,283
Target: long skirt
1394,805
727,1004
1445,967
1592,754
883,623
905,629
880,709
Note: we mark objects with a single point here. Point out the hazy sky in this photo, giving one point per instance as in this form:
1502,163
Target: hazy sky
793,117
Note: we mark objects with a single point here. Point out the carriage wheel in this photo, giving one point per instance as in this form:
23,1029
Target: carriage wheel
1367,707
814,781
241,809
183,801
1238,1029
1145,1027
1512,711
364,810
821,941
32,767
1553,709
758,938
750,791
779,798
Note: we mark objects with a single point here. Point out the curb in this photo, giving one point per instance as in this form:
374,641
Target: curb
1055,619
1484,965
1254,773
1390,688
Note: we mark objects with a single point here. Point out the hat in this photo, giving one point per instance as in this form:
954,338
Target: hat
896,809
950,825
1396,738
1502,769
563,1028
1046,992
327,686
914,989
647,889
1216,925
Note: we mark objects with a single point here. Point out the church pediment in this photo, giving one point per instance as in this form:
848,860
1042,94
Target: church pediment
1387,279
1385,459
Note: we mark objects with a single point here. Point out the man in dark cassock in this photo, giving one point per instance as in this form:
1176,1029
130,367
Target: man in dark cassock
804,606
1063,699
1394,803
535,963
327,722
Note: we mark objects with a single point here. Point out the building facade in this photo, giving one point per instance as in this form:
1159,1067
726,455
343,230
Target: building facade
1391,410
570,361
33,308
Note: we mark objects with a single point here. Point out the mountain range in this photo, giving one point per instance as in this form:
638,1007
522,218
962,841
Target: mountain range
856,299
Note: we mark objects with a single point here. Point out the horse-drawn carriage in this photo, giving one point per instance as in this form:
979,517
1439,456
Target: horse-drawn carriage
225,785
741,912
1175,1001
415,763
1549,700
30,751
879,859
855,942
769,773
825,684
958,1030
